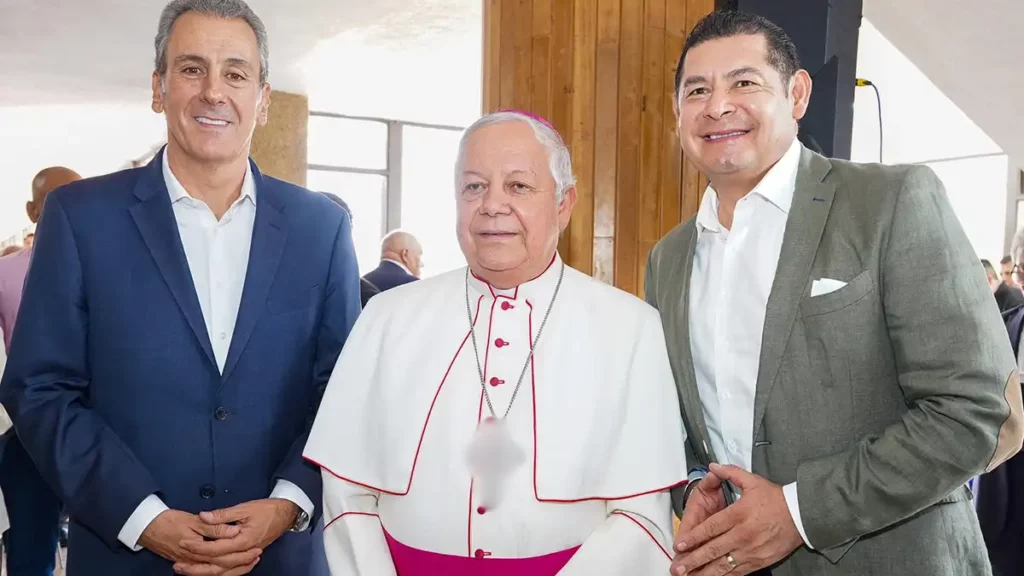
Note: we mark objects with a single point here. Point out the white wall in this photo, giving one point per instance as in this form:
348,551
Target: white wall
922,126
90,139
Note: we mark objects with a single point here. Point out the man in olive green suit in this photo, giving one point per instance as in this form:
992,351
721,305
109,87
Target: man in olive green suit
840,361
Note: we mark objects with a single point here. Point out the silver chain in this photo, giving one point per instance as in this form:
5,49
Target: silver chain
476,353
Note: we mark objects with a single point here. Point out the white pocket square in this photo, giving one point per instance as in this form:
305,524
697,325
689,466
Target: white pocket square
825,286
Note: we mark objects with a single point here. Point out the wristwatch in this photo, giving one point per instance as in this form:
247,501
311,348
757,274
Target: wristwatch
301,521
695,475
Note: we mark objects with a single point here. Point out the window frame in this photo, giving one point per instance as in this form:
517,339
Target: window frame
392,172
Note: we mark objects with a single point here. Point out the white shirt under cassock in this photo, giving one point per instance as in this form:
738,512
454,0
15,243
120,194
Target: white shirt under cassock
597,417
732,276
218,258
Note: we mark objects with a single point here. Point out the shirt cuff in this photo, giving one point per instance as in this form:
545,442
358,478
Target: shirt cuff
789,491
137,523
288,491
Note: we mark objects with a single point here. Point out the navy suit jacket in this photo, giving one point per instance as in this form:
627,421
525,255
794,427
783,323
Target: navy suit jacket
1001,492
112,383
386,276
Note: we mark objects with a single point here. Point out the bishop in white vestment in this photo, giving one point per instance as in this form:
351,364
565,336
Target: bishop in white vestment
512,417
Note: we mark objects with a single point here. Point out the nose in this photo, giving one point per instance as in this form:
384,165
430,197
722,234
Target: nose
213,89
718,105
495,201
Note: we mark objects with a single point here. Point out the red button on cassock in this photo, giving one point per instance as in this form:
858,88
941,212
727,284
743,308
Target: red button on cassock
481,510
506,306
496,382
500,343
479,553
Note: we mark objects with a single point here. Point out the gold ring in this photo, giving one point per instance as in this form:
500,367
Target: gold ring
731,561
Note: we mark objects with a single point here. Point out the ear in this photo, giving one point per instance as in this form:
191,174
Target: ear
158,95
800,91
565,209
263,114
30,210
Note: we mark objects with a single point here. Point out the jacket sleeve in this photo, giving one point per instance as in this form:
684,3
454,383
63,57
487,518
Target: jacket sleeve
955,370
46,388
340,309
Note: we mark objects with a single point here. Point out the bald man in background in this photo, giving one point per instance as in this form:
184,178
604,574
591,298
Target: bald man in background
33,508
401,260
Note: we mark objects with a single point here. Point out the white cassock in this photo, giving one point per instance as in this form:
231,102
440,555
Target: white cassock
596,417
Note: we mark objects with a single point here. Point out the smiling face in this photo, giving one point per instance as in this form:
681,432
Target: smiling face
211,95
736,115
508,217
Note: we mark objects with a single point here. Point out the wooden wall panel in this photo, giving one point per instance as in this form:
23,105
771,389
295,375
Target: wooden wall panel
672,158
602,72
627,206
606,126
581,139
652,123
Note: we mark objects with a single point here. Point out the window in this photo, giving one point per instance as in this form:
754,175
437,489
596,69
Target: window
428,195
364,194
344,142
392,175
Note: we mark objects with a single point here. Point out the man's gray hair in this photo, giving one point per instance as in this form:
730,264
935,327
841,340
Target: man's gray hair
559,159
1017,247
220,8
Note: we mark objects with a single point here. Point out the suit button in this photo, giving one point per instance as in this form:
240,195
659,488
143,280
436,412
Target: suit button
207,492
220,414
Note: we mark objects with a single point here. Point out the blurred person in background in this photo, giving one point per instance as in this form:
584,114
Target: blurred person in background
1007,296
34,510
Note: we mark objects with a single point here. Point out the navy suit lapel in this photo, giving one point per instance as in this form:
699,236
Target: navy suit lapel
269,233
155,219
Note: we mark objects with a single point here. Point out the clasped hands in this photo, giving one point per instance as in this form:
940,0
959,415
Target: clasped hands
755,532
226,542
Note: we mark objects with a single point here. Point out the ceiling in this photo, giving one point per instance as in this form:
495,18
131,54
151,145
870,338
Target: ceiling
972,51
102,50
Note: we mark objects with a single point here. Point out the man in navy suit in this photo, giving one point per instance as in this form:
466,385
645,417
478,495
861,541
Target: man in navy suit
179,324
401,259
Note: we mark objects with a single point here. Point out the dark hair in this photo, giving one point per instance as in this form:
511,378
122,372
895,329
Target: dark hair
1006,260
726,23
337,200
990,271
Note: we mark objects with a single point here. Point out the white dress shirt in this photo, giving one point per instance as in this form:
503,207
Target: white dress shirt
732,276
218,257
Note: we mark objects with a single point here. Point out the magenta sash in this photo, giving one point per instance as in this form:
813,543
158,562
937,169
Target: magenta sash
412,562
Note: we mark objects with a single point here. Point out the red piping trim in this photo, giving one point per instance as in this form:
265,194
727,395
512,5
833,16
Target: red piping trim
644,528
469,527
515,296
423,432
533,397
536,494
479,414
340,516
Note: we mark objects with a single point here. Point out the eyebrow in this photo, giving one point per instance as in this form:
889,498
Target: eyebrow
691,80
743,71
240,62
527,172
